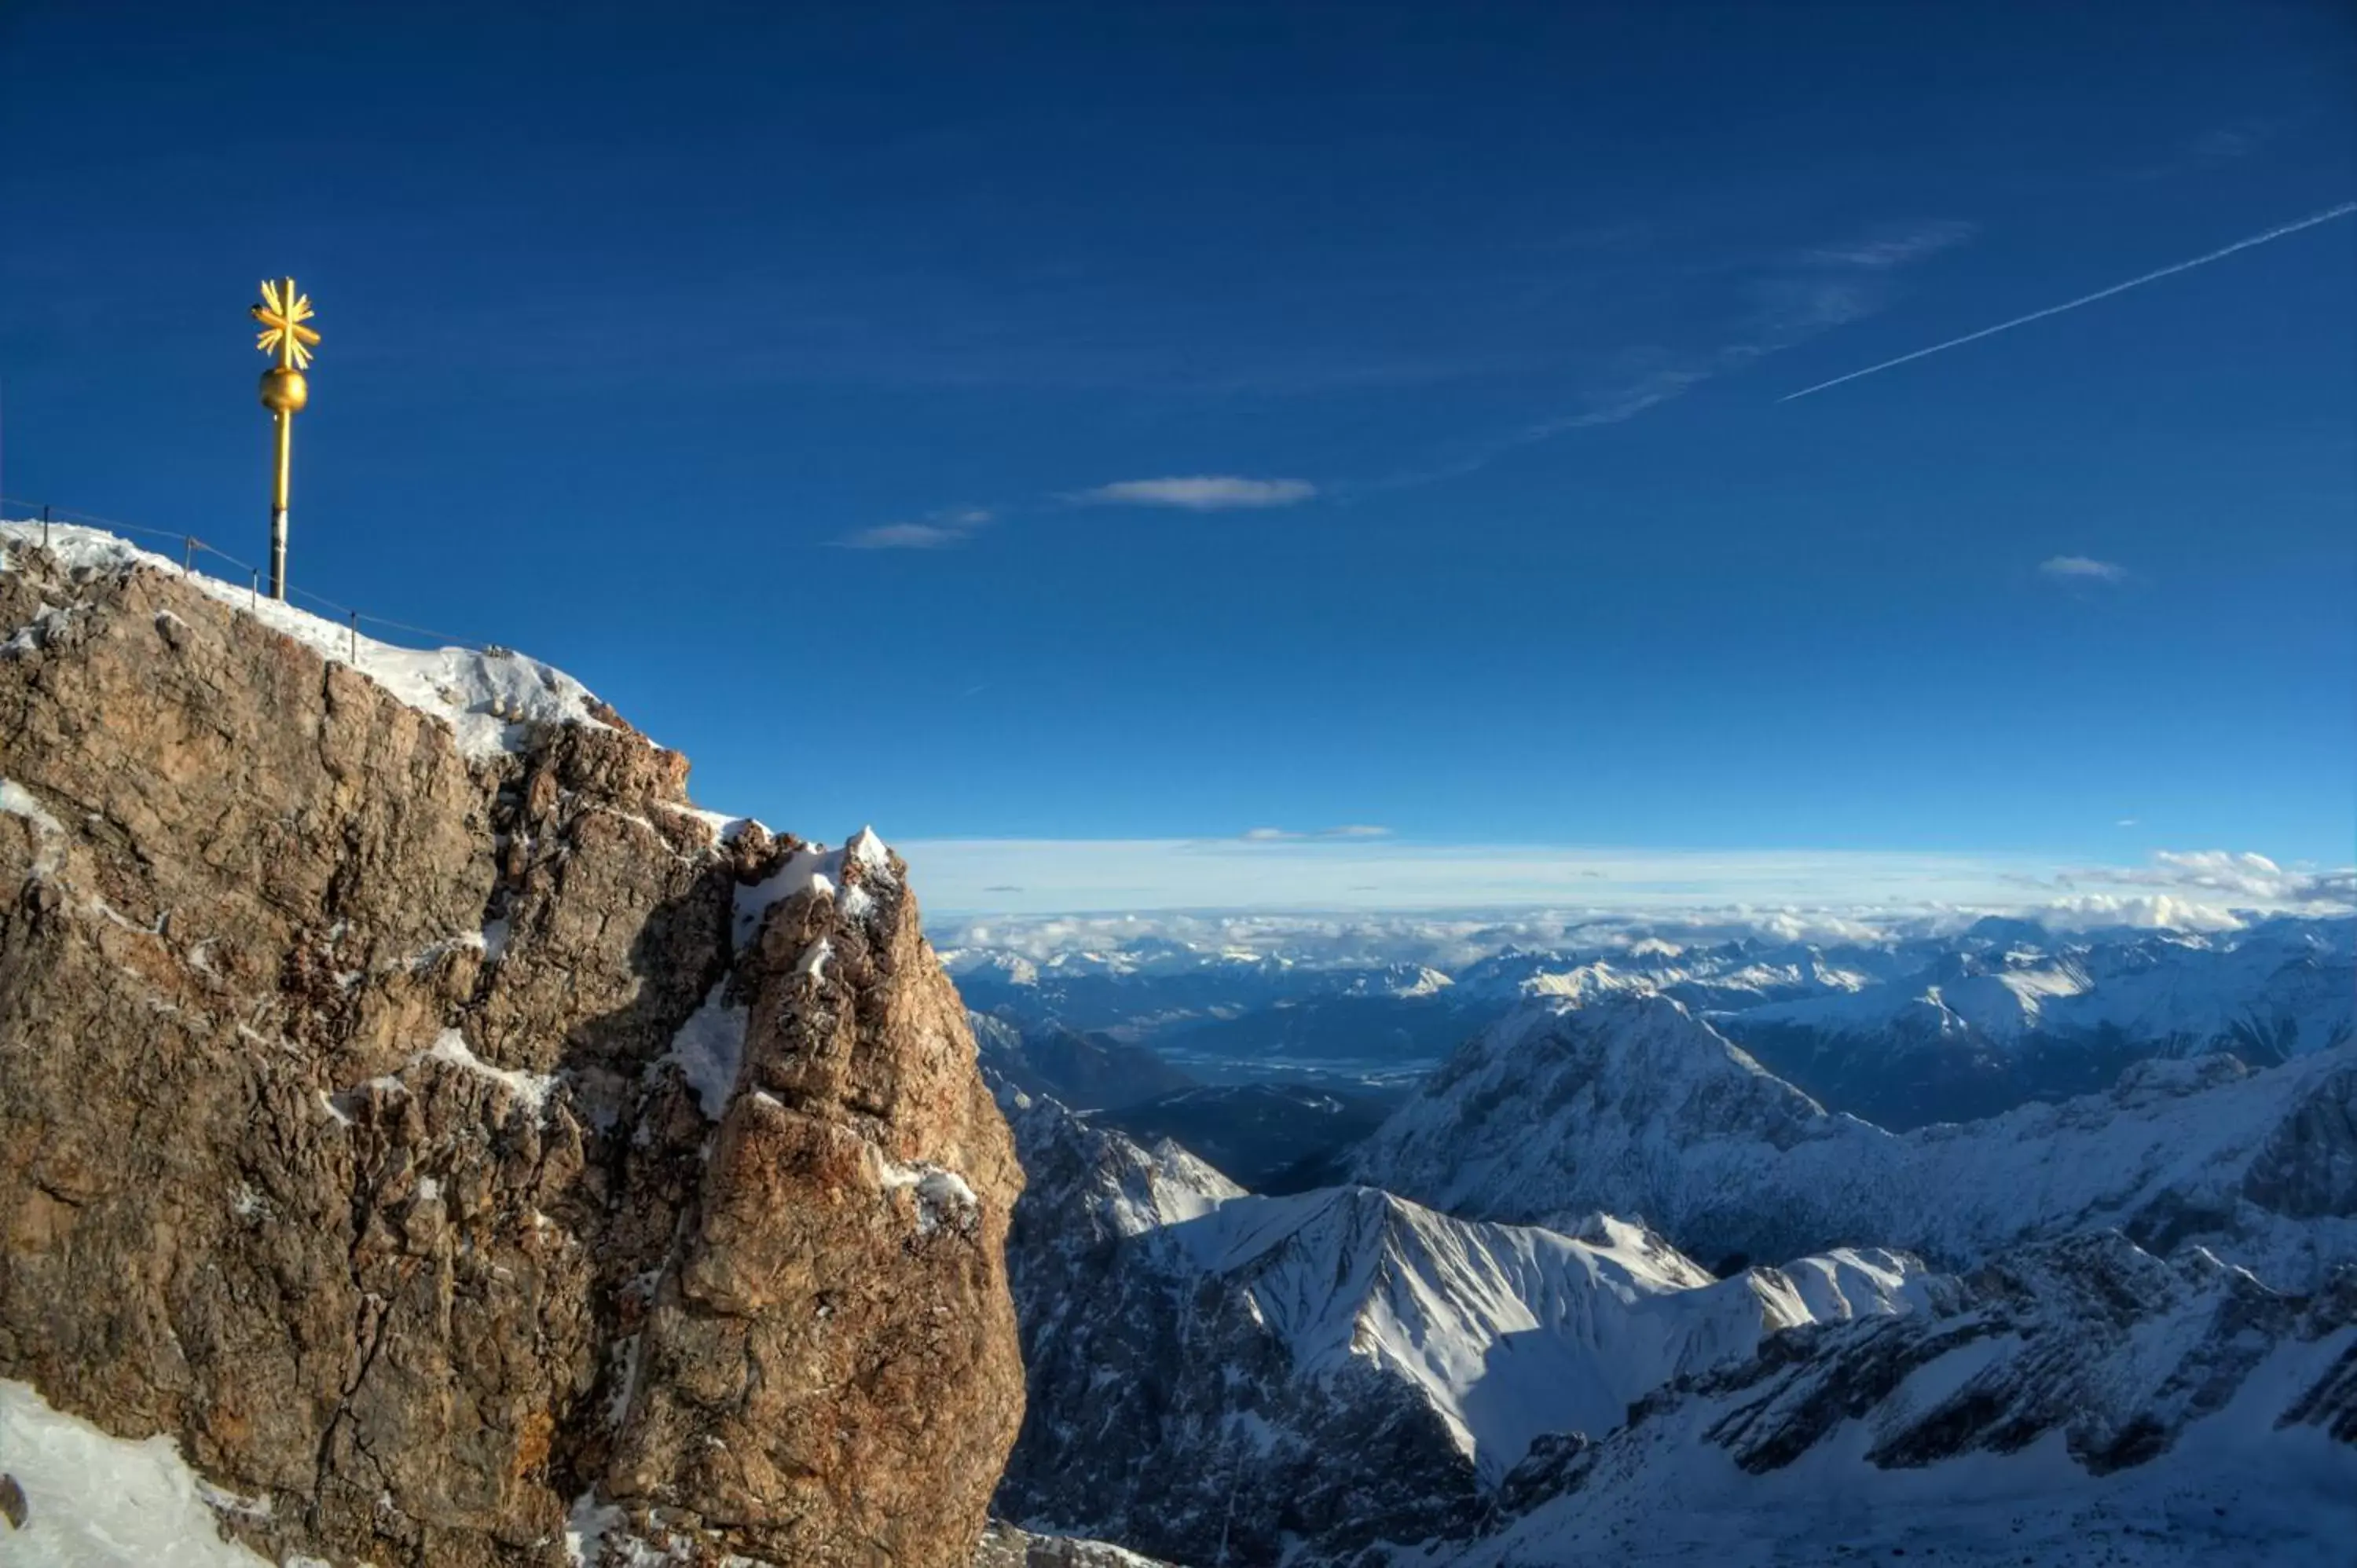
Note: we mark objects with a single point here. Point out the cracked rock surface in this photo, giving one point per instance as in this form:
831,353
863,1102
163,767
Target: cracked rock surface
349,1136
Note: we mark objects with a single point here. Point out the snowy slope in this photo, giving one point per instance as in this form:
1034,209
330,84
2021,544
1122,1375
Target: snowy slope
1212,1372
2079,1404
482,696
1633,1105
1509,1331
1104,1185
96,1502
1005,1546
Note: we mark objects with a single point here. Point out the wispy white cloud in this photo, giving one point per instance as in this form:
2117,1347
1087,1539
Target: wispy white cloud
1628,400
1785,301
1199,492
938,531
2243,875
2081,569
1289,835
2140,911
903,536
1792,310
2228,143
2216,148
1894,247
1362,871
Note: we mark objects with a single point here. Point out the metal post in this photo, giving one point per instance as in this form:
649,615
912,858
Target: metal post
45,525
254,591
278,505
356,638
187,553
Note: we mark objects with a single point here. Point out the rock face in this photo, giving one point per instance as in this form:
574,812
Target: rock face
428,1119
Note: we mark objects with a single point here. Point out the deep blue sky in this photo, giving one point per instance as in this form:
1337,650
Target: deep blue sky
632,316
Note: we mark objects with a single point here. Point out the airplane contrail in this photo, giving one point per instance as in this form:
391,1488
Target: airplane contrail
2310,222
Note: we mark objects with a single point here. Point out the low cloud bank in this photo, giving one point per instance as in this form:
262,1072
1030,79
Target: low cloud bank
1366,881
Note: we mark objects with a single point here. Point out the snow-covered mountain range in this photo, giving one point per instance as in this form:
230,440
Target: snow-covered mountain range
2150,1312
1899,1025
1634,1105
1348,1376
1090,1072
2075,1403
1214,1373
1980,1028
2269,994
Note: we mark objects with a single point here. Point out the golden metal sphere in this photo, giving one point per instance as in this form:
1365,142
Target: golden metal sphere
284,390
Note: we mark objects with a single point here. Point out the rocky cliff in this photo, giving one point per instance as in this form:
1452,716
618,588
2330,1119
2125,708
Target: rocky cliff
449,1137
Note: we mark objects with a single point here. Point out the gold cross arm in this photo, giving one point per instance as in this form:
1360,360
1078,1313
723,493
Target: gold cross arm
282,314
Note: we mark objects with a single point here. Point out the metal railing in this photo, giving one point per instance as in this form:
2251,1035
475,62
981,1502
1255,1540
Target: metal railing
194,549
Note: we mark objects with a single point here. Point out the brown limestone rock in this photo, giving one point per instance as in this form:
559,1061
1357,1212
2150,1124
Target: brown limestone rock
340,1141
844,1268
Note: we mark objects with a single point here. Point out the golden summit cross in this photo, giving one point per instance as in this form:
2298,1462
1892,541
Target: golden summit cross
281,313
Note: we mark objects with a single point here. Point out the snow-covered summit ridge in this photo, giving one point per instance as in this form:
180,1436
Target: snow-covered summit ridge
1504,1332
1510,1332
1099,1185
484,697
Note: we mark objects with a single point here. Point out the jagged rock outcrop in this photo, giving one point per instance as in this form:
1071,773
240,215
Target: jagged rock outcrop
417,1110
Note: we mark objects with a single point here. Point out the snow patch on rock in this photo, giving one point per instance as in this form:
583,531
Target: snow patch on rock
96,1502
709,1049
943,1197
450,1045
48,833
